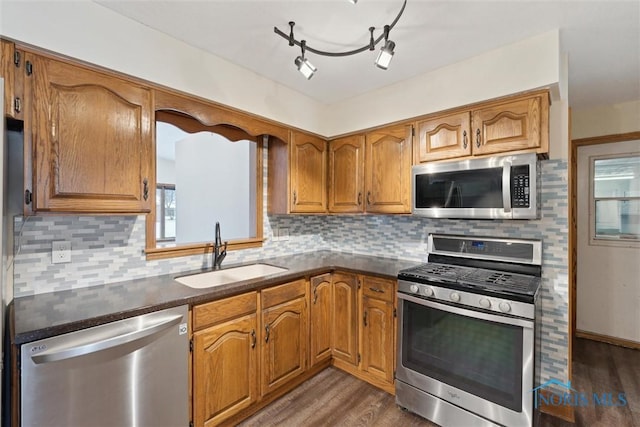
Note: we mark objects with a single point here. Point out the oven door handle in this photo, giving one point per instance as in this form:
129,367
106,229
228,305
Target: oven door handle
507,320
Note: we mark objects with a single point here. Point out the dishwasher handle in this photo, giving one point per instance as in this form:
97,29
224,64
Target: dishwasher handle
141,333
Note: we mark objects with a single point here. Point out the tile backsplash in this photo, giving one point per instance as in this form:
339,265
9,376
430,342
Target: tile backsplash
111,249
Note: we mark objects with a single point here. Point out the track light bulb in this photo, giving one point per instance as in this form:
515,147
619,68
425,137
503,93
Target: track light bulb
305,67
386,54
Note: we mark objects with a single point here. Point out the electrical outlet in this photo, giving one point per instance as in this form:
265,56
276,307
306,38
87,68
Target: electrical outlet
60,251
283,234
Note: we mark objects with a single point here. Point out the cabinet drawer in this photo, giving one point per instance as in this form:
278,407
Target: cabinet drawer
283,293
378,288
226,309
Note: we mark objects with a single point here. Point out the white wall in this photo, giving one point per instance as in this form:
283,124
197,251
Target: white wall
95,34
165,171
530,64
213,179
606,120
90,32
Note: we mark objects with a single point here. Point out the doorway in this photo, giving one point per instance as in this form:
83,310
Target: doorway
606,238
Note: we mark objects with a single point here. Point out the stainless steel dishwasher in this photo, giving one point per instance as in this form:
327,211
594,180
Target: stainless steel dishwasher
132,372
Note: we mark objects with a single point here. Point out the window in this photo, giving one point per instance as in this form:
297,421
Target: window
615,200
165,212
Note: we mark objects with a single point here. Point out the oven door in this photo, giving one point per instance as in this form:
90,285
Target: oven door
476,360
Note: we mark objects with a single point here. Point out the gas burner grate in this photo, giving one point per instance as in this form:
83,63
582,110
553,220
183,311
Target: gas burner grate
510,281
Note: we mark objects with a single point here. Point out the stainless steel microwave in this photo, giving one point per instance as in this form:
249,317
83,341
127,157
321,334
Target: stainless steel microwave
503,187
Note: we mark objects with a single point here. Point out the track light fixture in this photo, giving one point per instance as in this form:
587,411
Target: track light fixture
386,52
382,61
304,66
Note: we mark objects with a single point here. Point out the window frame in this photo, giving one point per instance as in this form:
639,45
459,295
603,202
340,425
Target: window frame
163,187
603,240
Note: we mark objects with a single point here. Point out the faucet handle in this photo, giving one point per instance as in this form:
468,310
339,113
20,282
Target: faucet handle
222,254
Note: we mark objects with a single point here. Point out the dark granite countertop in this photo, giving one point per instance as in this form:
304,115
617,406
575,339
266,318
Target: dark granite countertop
44,315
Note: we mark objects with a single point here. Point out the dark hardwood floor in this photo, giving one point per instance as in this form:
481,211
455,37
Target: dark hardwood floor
335,398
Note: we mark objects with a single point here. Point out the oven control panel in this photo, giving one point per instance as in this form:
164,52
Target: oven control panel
468,299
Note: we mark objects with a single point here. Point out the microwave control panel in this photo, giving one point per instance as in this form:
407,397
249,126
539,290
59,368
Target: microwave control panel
520,187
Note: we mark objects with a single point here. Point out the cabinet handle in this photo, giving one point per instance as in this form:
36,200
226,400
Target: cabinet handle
315,295
253,338
365,318
17,105
369,198
380,291
478,138
145,189
464,139
295,198
267,330
359,198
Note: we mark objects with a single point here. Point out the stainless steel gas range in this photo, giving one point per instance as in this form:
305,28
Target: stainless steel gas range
467,331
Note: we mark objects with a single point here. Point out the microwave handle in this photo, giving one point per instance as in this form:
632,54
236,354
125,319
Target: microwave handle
506,185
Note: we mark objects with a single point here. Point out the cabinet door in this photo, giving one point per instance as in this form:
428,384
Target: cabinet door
285,332
346,174
345,317
320,313
225,370
444,137
308,163
512,126
91,140
377,338
388,170
12,71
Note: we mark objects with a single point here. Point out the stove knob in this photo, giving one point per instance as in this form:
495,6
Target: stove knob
414,288
505,307
455,297
484,302
428,292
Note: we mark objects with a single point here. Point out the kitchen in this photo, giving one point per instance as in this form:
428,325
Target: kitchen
403,237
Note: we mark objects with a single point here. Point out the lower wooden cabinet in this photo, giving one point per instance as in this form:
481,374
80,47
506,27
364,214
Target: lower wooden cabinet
225,370
251,348
286,334
320,311
225,358
344,323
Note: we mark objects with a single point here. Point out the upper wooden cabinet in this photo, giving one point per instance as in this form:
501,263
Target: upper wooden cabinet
388,170
444,137
346,174
88,140
298,175
12,71
519,124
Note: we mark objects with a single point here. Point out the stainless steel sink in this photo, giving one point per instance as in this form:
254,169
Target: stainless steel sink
230,275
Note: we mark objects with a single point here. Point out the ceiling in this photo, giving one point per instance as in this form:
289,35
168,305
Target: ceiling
601,37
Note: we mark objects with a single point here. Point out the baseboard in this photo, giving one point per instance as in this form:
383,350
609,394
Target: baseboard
564,412
608,339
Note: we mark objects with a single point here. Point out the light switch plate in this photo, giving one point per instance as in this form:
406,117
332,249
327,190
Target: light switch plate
60,251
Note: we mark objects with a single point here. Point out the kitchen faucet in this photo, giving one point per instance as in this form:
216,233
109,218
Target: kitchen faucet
218,254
